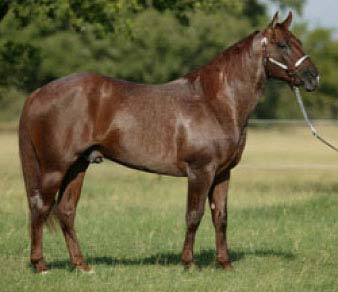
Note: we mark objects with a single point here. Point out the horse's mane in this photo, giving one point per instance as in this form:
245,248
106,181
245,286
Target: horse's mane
243,44
229,59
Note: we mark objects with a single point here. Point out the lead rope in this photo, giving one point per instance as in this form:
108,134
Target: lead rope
307,120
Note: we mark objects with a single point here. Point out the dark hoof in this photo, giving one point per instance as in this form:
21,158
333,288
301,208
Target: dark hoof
188,265
187,260
191,266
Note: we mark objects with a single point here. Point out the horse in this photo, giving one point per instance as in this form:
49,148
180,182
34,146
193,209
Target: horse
192,127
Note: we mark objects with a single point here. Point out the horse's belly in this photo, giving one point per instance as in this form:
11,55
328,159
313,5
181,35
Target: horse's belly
151,162
153,151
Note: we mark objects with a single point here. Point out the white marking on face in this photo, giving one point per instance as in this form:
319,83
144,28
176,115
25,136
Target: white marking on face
212,206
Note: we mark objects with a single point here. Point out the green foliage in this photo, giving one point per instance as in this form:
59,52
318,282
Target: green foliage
19,64
11,100
151,41
102,15
161,49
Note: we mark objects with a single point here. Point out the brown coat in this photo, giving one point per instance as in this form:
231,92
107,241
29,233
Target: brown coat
194,126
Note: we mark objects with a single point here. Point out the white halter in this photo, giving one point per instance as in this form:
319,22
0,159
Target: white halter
264,41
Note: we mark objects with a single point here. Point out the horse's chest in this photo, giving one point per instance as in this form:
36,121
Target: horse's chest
231,149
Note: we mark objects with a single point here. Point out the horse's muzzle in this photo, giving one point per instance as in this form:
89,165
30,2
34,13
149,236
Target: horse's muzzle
311,84
309,79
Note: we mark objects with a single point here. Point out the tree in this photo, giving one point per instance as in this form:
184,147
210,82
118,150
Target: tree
149,41
107,15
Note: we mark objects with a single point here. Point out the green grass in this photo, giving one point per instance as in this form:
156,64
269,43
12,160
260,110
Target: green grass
283,227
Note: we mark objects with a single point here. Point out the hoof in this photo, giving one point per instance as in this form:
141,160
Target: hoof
90,272
191,267
226,265
85,271
40,267
188,265
84,268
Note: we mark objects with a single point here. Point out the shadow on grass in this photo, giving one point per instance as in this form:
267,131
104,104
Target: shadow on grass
204,258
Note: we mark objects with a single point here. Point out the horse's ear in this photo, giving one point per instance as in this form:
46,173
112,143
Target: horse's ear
274,21
287,22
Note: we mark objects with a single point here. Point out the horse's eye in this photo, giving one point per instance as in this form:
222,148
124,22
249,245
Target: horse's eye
282,45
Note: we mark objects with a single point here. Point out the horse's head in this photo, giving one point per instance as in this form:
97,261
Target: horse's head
284,56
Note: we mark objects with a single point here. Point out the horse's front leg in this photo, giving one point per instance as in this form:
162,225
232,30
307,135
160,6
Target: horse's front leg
218,205
199,183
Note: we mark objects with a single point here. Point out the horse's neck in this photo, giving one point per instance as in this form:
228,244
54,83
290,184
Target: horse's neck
248,85
234,81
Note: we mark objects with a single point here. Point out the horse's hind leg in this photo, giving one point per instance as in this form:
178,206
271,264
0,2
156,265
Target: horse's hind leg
199,183
66,209
41,203
41,188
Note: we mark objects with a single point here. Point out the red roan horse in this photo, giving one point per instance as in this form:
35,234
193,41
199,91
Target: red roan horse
193,127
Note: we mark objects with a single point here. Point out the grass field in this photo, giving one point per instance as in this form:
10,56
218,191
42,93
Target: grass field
283,225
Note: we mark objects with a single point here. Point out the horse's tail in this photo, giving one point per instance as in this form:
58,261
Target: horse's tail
31,170
29,160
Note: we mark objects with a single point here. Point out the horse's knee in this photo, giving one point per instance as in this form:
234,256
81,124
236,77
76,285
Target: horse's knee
41,200
39,208
36,201
219,215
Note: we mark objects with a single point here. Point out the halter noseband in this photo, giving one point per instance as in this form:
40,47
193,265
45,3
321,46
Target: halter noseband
264,42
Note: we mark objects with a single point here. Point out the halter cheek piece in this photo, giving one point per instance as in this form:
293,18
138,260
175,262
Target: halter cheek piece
264,42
